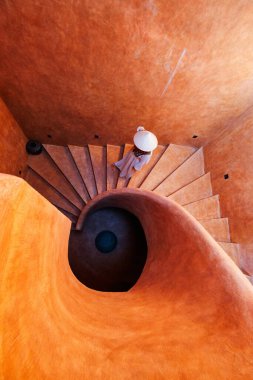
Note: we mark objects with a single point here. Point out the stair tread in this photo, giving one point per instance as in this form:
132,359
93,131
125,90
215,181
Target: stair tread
199,189
250,278
231,249
49,192
82,159
70,216
47,169
98,160
245,261
241,257
139,177
122,182
190,170
172,158
60,174
207,208
114,154
63,159
218,228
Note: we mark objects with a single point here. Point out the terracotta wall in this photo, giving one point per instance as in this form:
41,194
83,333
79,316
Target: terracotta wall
232,154
76,69
13,156
171,325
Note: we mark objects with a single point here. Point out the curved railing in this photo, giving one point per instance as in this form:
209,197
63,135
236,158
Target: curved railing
188,316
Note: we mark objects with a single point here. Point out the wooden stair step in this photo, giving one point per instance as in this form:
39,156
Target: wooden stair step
199,189
122,182
190,170
245,258
240,257
207,208
114,154
232,250
98,160
82,159
47,169
250,278
139,177
63,159
50,193
218,228
171,159
73,218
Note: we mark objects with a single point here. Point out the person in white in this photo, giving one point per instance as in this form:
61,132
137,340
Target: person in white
144,144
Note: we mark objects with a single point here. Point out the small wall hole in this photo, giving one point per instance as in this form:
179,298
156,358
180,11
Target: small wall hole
194,136
96,136
49,136
20,172
226,176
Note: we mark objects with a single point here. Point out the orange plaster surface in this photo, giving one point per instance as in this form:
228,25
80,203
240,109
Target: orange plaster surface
232,154
190,315
77,69
13,156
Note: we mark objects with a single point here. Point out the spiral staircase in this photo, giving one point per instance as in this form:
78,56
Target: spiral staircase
70,177
188,315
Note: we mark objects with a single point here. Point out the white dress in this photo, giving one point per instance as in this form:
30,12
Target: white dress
130,163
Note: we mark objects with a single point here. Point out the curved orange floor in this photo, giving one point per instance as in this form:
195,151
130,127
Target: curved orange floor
190,315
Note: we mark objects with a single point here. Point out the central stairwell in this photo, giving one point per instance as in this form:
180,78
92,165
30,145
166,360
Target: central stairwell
70,177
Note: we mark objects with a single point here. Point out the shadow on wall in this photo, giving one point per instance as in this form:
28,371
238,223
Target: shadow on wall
13,157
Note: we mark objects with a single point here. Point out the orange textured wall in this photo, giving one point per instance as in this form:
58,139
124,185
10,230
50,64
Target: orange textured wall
232,154
73,69
13,156
171,325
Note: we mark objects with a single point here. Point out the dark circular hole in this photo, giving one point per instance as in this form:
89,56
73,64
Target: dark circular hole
34,147
110,252
106,241
96,136
49,136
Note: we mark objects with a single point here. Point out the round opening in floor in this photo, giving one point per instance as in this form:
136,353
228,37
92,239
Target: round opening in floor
110,252
106,241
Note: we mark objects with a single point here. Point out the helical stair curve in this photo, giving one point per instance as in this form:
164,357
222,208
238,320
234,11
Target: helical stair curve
71,176
189,316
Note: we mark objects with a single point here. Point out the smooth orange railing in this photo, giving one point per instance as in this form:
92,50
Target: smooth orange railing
189,316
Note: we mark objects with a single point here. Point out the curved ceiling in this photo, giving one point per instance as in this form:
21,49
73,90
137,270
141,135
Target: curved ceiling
73,70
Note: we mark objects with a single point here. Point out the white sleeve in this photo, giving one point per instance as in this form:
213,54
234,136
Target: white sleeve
142,160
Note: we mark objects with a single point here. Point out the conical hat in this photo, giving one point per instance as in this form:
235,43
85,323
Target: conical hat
145,140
